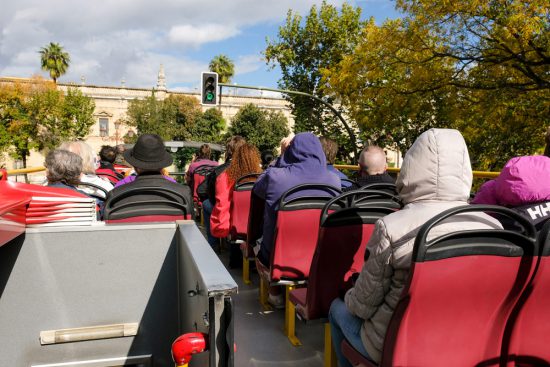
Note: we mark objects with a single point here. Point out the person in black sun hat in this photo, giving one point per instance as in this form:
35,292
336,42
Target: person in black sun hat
149,157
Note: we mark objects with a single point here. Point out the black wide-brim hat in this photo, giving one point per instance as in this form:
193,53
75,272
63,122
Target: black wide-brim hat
148,153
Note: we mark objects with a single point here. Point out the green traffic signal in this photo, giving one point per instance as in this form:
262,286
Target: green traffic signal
208,88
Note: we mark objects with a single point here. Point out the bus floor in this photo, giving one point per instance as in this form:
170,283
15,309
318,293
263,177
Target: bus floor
259,336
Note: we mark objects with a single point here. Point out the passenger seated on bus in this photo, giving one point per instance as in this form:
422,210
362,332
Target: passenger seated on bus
436,175
330,148
210,181
302,162
138,170
372,168
523,185
149,157
245,160
267,158
63,170
107,157
202,158
88,169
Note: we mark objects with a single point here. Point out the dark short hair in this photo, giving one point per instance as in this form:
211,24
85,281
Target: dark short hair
267,156
108,153
204,152
330,147
63,166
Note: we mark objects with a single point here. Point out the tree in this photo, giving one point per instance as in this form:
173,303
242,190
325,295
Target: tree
177,118
209,126
302,50
260,128
503,43
476,66
54,60
36,116
224,66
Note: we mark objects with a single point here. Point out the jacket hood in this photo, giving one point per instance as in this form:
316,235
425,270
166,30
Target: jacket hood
523,180
304,150
436,167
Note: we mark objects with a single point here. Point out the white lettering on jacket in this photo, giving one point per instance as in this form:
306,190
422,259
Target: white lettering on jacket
540,210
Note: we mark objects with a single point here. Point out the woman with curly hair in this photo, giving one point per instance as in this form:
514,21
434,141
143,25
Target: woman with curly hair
246,160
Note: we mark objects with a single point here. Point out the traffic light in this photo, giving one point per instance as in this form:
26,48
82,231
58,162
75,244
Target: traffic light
209,88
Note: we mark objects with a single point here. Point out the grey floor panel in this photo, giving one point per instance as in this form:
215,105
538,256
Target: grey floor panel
259,335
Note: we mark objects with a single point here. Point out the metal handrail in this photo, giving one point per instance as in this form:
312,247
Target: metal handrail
477,174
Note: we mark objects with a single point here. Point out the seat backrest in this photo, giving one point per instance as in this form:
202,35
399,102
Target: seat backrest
147,203
530,326
347,223
108,174
390,188
199,176
296,230
462,288
240,206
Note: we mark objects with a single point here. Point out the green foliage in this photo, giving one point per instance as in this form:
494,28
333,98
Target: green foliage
224,66
54,60
303,49
260,128
481,67
177,118
36,116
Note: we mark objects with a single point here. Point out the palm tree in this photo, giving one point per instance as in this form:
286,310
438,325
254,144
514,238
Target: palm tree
222,65
54,60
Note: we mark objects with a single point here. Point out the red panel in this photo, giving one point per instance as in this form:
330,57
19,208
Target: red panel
25,190
456,313
530,335
240,210
295,242
149,218
12,217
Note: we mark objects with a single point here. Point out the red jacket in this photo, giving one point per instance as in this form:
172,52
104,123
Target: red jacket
220,220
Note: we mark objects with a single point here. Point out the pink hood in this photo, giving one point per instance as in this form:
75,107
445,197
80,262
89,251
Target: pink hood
523,180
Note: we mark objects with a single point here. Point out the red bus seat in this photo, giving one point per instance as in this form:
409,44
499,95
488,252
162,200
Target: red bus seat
239,213
530,328
199,175
462,288
296,231
347,222
240,206
108,174
149,204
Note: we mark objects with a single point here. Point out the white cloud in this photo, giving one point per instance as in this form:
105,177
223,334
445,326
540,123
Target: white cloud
248,63
110,40
198,35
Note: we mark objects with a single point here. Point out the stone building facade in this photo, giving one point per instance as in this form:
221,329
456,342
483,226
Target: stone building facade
111,105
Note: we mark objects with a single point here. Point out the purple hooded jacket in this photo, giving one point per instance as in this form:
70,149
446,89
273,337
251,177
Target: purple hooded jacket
523,180
303,162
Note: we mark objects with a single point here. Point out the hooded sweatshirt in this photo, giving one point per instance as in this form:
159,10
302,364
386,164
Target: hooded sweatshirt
436,175
303,162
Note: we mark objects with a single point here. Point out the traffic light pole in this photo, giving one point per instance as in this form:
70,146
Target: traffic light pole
285,91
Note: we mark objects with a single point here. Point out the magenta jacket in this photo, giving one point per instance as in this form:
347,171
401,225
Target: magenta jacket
523,180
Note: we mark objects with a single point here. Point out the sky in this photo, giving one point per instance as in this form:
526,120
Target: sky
114,40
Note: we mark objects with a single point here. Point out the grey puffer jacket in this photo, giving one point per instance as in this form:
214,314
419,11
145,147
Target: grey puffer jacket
436,175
